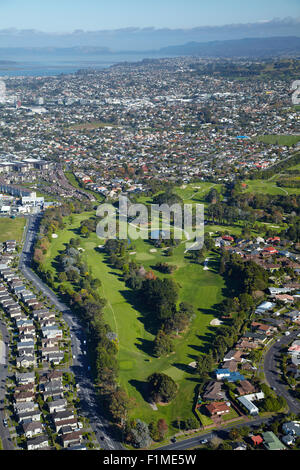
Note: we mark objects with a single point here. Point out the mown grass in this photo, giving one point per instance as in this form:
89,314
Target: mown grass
11,229
284,140
268,187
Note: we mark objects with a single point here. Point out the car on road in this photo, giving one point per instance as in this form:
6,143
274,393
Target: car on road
203,441
5,423
287,333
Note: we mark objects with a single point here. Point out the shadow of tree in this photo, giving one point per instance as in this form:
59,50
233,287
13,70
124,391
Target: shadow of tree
142,388
185,367
146,346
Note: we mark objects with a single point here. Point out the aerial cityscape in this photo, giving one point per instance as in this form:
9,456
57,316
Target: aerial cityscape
145,337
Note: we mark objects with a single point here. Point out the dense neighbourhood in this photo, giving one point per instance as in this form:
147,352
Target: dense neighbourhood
41,403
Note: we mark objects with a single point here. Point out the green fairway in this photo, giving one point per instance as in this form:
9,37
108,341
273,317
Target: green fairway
135,329
11,229
269,187
196,192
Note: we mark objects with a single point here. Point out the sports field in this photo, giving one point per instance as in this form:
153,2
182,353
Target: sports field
11,229
284,140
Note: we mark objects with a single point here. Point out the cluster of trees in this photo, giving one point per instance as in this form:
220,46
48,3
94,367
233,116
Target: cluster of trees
271,402
168,197
165,268
252,207
246,277
88,226
293,232
117,254
52,222
160,296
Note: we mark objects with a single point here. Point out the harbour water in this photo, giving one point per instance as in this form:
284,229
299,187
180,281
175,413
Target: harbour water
51,65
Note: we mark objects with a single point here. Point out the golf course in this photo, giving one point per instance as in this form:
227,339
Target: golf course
201,287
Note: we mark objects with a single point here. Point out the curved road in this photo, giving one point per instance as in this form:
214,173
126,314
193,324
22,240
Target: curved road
80,366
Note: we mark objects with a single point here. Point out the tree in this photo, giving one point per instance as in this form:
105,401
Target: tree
162,344
84,231
62,277
162,428
119,405
162,388
140,434
161,295
191,423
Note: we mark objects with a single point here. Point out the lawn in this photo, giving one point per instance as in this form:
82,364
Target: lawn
11,229
268,187
196,192
135,327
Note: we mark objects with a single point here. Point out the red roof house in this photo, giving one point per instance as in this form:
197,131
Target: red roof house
257,440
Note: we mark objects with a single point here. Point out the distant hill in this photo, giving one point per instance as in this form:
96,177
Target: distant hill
248,47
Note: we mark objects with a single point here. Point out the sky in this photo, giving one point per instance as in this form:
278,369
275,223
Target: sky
91,15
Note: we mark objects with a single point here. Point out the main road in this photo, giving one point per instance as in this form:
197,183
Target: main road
80,366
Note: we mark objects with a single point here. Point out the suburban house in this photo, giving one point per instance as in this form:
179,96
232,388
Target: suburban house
233,355
25,378
57,405
213,391
37,443
256,440
247,402
271,442
245,388
32,429
72,438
